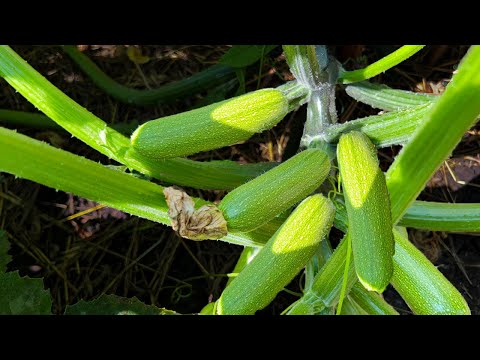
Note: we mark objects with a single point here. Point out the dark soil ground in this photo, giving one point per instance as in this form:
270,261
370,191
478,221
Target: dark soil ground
107,251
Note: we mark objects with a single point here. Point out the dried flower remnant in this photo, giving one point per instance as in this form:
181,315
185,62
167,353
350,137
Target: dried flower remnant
207,222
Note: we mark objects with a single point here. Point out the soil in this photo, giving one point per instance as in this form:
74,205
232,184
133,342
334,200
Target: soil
107,251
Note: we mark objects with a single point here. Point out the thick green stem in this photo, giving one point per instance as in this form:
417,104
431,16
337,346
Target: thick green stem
314,69
381,65
392,128
427,215
296,93
307,63
450,117
442,216
383,97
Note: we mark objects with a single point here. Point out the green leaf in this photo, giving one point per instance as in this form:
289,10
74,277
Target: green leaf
240,56
23,296
20,295
4,247
115,305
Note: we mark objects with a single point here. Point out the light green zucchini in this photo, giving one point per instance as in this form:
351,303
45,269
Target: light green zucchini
210,127
277,263
368,209
423,287
261,199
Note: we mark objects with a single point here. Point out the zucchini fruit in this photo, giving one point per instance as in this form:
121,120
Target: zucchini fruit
261,199
423,287
368,209
210,127
277,263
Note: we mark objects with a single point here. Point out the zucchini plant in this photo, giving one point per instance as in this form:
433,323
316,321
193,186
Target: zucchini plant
281,213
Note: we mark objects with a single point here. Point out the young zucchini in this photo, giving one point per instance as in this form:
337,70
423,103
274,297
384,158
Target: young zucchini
423,287
277,263
210,127
368,209
261,199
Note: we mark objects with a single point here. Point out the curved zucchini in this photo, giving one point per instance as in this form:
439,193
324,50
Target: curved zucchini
277,263
210,127
368,209
261,199
423,287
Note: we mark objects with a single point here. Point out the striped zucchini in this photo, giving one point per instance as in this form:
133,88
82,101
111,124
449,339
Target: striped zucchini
423,287
210,127
277,263
368,208
261,199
